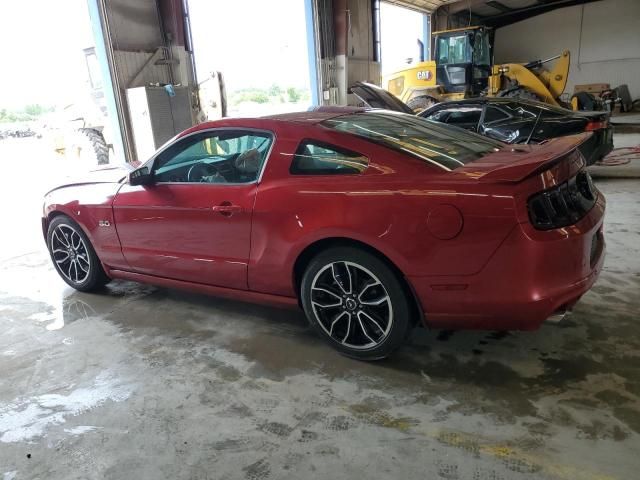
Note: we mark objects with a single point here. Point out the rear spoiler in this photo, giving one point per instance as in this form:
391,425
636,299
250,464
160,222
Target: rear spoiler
517,162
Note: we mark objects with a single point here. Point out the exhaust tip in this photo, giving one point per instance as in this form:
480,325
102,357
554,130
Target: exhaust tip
558,316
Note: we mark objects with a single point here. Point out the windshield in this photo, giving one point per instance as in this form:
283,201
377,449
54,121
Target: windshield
454,49
441,145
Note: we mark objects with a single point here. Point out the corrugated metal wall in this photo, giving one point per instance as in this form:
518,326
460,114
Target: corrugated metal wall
130,63
603,37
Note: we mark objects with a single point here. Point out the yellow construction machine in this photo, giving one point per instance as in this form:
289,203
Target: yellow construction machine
463,67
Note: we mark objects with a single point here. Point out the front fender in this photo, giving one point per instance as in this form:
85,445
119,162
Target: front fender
90,206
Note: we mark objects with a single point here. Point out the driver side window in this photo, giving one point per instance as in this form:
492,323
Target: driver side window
222,156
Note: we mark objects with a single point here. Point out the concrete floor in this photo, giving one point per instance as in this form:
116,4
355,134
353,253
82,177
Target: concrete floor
623,161
148,383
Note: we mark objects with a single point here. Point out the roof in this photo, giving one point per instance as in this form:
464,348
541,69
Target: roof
315,114
524,101
496,13
503,100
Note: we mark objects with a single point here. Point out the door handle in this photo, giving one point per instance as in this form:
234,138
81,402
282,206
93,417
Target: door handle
227,209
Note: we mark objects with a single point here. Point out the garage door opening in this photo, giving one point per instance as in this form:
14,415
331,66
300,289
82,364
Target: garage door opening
404,35
261,50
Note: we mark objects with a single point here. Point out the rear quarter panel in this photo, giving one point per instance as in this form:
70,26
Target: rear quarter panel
558,126
386,208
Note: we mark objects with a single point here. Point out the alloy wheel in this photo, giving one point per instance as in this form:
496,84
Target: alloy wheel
70,254
351,305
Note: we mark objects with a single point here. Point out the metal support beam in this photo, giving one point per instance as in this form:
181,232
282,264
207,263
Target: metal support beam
104,54
499,6
312,53
516,15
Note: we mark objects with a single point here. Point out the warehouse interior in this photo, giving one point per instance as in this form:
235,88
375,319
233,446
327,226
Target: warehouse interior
141,381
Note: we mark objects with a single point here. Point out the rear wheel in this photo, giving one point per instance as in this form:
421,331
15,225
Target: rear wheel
73,255
421,102
356,302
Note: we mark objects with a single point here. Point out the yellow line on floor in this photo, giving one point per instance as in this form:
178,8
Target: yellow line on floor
511,457
514,458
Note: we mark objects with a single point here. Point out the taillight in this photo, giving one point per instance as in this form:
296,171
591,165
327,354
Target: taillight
591,126
563,204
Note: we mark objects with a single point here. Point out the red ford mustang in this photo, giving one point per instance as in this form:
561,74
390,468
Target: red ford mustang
370,220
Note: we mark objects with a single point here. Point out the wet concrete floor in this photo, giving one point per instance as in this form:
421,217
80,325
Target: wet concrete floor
147,383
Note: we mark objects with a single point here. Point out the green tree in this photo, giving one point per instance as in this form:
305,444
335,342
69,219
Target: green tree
294,95
35,110
275,90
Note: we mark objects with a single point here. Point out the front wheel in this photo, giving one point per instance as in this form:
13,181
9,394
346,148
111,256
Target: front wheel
73,256
356,302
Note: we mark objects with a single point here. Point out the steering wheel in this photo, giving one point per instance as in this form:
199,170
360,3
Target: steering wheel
199,171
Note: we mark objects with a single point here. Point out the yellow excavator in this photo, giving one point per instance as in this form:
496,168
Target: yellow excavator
463,67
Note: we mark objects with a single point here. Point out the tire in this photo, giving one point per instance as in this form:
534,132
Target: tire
90,147
364,320
80,268
421,102
520,93
586,101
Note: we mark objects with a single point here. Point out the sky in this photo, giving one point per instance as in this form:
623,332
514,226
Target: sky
41,43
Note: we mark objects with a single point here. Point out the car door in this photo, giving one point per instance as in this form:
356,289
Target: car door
193,222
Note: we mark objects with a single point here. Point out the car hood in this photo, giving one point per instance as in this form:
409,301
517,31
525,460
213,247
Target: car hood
376,97
108,174
517,162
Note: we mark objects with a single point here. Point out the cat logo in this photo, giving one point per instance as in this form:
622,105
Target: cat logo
424,75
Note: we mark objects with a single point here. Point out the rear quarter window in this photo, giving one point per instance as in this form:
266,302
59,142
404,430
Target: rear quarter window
319,158
434,143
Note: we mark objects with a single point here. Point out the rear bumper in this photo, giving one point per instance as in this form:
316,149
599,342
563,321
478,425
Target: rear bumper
530,277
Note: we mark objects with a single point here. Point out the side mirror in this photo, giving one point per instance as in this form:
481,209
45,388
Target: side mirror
141,176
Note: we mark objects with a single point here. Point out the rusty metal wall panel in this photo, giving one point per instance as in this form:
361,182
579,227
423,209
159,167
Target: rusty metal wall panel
134,25
130,63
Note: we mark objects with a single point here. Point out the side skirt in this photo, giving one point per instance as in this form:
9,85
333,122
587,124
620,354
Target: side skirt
242,295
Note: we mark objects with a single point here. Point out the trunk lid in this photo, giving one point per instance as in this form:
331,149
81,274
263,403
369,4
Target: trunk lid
514,163
591,115
375,97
